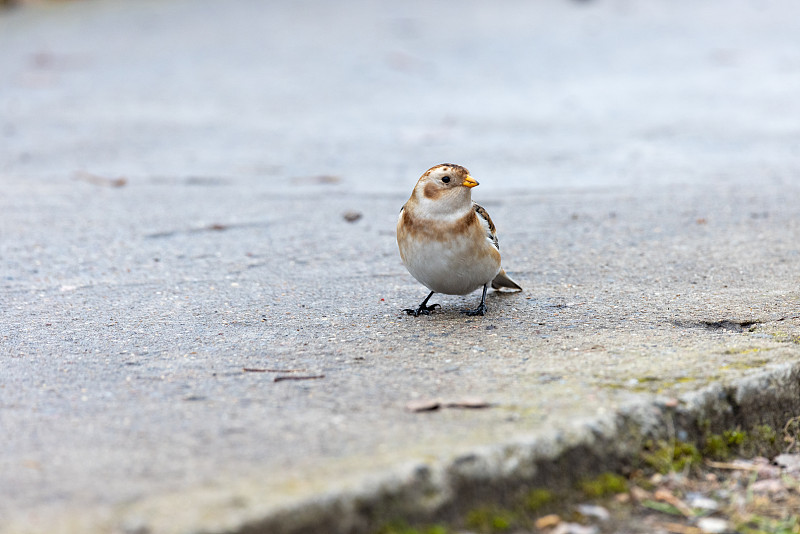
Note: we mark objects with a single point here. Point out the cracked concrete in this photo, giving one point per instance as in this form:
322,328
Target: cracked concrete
175,181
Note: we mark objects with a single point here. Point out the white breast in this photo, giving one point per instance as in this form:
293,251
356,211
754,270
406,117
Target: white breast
455,266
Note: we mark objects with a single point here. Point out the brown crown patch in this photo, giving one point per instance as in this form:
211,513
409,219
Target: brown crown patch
447,166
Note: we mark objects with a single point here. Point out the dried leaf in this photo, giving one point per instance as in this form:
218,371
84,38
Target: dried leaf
351,216
677,528
547,521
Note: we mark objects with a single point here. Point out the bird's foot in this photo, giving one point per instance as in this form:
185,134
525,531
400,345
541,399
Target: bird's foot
422,310
480,310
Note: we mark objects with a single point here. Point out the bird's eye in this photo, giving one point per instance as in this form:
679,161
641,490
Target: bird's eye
446,179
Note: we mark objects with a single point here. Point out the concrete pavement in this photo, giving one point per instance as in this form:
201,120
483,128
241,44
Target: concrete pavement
174,180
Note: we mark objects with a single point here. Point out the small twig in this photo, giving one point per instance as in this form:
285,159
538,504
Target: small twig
429,405
100,180
258,370
297,377
468,402
787,435
728,465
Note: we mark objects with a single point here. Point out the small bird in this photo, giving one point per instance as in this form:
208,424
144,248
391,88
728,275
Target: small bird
448,242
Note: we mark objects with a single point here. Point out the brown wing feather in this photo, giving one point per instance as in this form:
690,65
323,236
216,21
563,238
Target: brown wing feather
492,233
502,280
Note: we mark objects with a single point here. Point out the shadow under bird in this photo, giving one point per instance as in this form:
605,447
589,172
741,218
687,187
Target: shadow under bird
447,241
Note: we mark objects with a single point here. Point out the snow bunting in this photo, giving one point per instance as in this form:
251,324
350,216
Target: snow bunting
447,241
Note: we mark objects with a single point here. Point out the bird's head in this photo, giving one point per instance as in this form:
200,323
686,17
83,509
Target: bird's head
445,188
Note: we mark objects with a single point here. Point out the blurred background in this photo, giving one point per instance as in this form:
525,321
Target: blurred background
546,94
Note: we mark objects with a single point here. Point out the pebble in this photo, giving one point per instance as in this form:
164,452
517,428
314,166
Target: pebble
769,471
703,503
790,462
593,510
769,486
575,528
713,525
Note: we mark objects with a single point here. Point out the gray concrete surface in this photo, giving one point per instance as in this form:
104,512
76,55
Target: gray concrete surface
174,176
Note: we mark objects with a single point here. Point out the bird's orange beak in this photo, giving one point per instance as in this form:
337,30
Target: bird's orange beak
469,181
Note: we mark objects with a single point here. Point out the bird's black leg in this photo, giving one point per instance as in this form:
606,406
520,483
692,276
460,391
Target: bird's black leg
481,309
423,309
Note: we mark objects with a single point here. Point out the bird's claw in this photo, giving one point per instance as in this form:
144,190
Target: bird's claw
480,310
422,310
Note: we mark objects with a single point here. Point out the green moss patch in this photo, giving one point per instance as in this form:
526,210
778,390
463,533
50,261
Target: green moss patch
403,528
491,519
603,485
538,498
666,457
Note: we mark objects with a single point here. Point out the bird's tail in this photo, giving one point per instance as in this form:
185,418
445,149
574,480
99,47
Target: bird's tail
502,280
